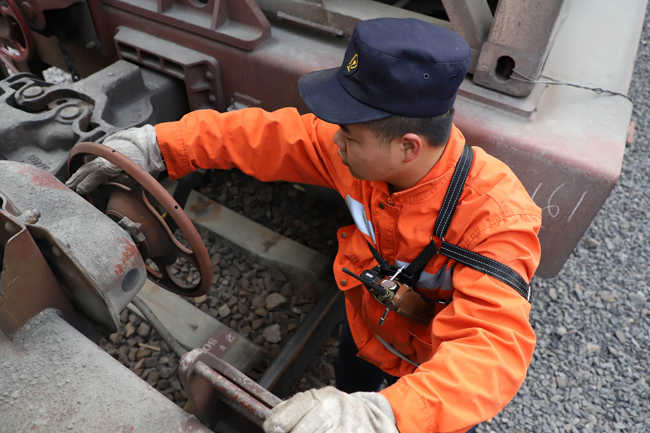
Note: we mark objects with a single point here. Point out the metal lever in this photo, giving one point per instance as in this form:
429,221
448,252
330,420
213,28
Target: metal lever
243,394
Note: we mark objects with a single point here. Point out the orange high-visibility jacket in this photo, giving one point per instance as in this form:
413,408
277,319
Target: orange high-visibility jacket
474,354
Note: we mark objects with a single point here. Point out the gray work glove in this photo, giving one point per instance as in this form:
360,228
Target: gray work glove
138,144
330,410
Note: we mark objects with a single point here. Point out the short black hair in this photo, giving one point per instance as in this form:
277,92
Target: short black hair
435,130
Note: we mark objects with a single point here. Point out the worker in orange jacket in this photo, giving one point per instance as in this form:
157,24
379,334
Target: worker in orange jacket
435,269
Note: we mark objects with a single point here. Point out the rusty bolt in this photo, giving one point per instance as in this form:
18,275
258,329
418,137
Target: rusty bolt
134,229
30,216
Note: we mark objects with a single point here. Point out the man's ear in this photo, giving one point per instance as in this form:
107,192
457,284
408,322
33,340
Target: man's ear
411,146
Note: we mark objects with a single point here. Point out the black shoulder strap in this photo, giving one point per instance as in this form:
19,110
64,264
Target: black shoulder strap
466,257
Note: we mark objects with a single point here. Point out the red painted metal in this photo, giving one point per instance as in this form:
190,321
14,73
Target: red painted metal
17,32
28,284
203,373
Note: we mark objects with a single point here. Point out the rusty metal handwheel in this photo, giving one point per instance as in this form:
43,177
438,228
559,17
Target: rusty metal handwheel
17,32
127,203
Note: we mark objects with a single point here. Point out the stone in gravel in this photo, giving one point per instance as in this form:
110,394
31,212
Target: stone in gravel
243,308
123,354
142,353
620,336
115,338
577,289
259,300
261,312
224,311
276,274
216,258
163,384
143,330
272,350
175,383
138,365
287,290
257,323
608,297
561,381
637,298
165,372
153,377
269,285
593,348
272,333
129,329
561,331
234,272
275,300
200,300
553,293
150,362
591,243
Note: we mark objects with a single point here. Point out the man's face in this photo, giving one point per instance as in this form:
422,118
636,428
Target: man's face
365,156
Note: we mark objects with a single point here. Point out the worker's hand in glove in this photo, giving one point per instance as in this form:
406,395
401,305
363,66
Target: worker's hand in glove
138,144
330,410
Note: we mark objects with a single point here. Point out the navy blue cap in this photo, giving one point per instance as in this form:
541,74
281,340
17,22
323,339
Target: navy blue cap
401,66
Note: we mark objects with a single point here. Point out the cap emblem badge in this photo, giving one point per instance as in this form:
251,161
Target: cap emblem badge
352,65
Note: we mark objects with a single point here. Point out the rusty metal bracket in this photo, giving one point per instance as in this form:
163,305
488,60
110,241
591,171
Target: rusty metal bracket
206,378
200,73
239,23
